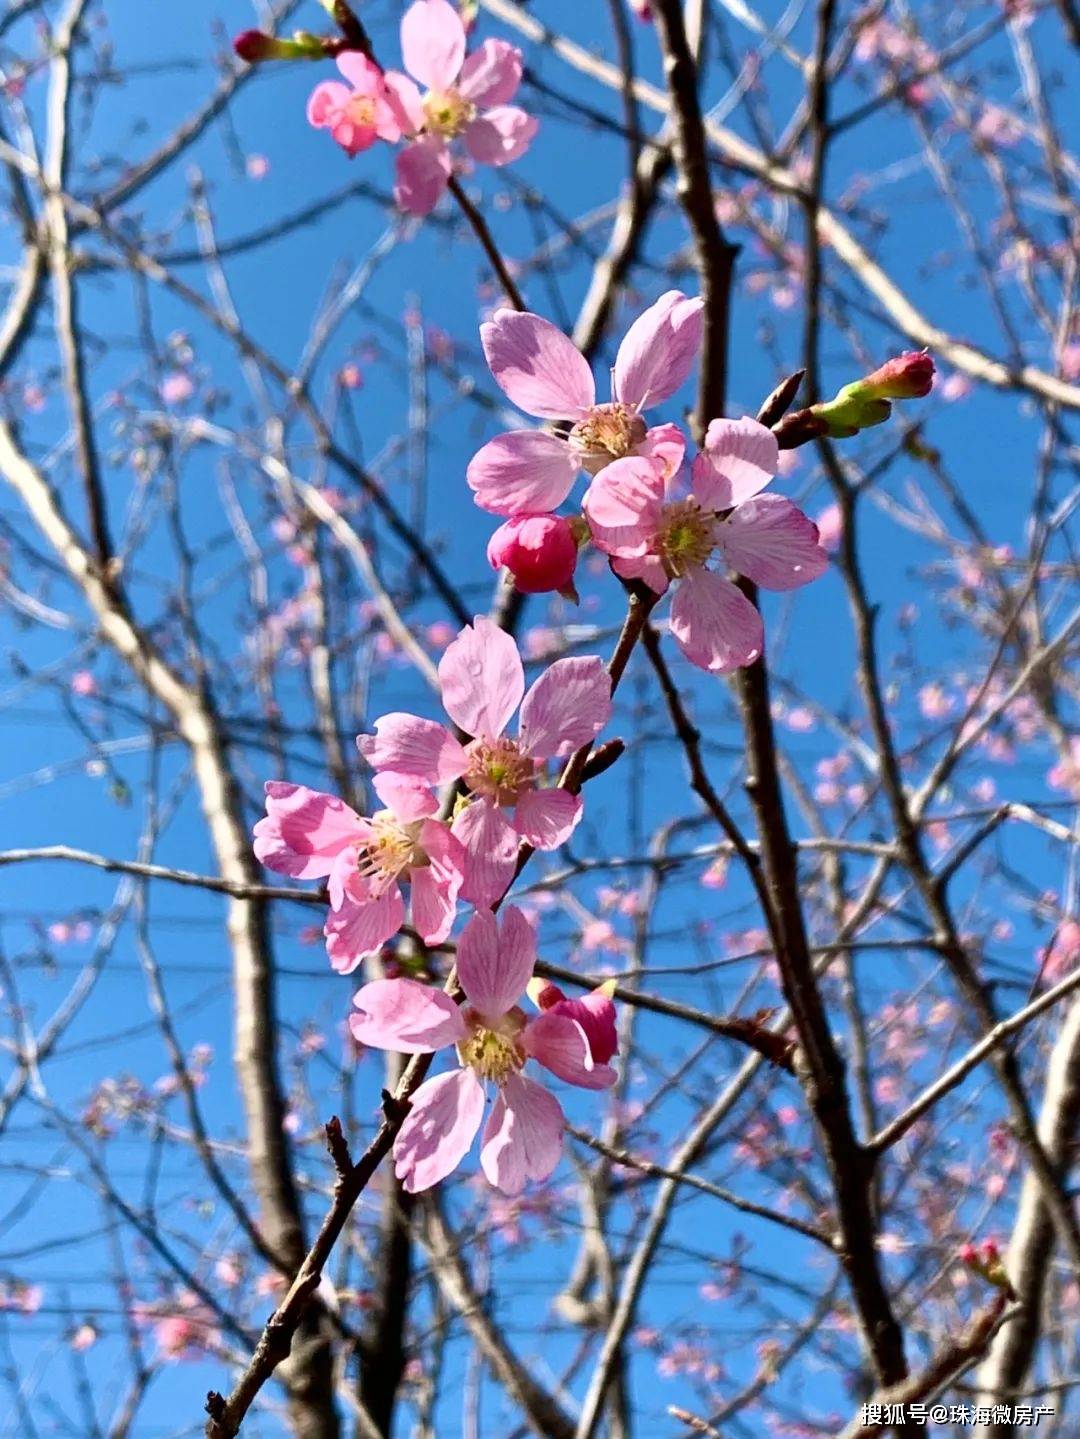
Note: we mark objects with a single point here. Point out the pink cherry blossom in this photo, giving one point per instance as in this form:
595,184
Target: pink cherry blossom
595,1012
544,374
655,535
465,97
494,1040
310,835
483,683
357,113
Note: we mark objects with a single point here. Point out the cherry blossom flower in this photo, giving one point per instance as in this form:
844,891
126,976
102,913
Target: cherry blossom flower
309,835
465,96
494,1040
654,535
357,113
483,682
544,374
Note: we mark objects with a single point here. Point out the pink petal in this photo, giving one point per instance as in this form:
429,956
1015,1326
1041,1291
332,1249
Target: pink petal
418,748
439,1129
433,43
491,846
406,1017
342,879
772,542
358,928
623,506
547,817
495,960
566,708
422,170
437,884
522,472
491,74
523,1137
304,830
645,567
739,459
658,351
595,1012
666,446
351,137
365,77
404,796
325,102
482,678
405,101
535,364
558,1042
501,135
716,626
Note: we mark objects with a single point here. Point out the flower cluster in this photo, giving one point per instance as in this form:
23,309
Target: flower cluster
640,510
446,96
369,862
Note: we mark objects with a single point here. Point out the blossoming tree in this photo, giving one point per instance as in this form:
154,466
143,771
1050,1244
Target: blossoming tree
622,829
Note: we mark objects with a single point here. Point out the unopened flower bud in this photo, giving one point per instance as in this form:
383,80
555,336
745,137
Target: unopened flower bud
907,377
540,551
255,46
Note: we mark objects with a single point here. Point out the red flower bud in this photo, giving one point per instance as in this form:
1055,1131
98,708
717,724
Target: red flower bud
540,552
253,45
907,377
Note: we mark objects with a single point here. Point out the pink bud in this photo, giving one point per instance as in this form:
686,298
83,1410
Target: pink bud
539,551
907,377
990,1252
969,1254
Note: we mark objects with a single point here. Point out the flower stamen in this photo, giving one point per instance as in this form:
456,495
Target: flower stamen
606,433
687,538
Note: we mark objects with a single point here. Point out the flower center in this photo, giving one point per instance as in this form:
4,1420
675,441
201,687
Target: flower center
498,770
447,112
360,111
608,432
392,848
491,1049
687,538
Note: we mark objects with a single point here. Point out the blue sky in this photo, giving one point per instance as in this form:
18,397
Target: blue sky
48,794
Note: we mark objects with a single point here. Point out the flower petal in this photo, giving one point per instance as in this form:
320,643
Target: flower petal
418,748
536,366
437,884
501,135
716,626
405,796
566,708
558,1042
491,847
658,351
547,818
439,1129
360,926
491,74
495,960
433,43
623,506
482,678
523,1137
645,567
325,103
304,830
363,74
422,170
405,101
522,472
772,542
406,1017
665,445
739,459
